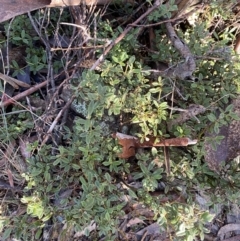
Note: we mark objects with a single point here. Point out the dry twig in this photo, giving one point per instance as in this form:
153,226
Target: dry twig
51,128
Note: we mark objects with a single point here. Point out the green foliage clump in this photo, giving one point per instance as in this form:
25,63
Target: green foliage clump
81,181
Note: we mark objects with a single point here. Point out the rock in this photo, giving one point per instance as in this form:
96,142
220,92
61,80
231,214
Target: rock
229,147
214,157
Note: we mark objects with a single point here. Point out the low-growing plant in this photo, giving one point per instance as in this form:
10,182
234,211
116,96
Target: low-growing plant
80,180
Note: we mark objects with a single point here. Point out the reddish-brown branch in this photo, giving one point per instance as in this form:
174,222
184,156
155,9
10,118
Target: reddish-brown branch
23,94
131,143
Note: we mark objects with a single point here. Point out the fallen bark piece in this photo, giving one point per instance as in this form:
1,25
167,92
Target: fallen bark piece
10,9
131,143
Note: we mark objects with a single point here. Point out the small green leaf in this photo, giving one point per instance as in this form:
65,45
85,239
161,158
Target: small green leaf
91,108
75,166
38,234
132,193
89,202
207,217
138,175
216,128
131,60
154,151
7,233
115,59
108,177
17,38
211,117
229,108
35,172
25,41
107,216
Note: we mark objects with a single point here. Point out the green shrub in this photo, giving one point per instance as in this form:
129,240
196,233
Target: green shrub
78,182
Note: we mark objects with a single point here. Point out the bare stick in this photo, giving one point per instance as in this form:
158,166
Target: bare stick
7,54
185,69
156,24
51,128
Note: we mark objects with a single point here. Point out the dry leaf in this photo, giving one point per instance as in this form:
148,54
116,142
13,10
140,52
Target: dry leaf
10,178
13,82
237,45
8,152
128,143
139,209
23,148
134,221
91,227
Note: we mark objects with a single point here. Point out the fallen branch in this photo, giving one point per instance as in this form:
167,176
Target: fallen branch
182,70
187,114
